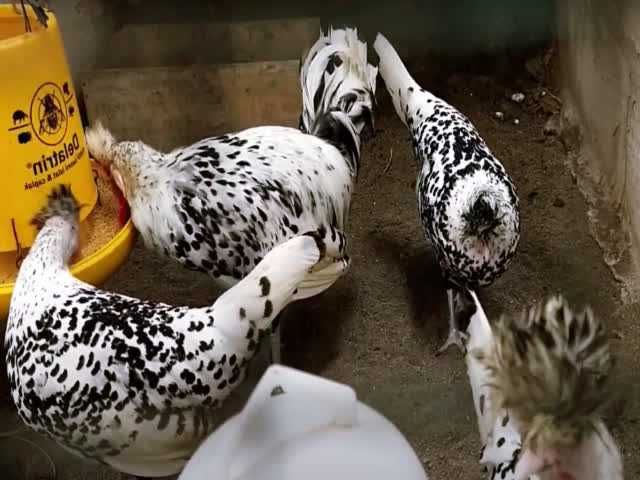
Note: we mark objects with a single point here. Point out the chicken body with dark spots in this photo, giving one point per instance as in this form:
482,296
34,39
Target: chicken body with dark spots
133,383
219,205
467,202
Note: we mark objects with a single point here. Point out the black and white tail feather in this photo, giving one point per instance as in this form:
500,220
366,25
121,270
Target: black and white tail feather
396,77
501,441
338,91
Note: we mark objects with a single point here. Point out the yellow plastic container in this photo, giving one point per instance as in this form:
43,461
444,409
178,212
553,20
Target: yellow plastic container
42,144
41,137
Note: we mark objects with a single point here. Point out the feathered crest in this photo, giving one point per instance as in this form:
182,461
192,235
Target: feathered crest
550,367
335,75
60,203
100,142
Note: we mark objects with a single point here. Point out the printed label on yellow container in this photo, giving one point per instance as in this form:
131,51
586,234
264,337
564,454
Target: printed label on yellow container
42,142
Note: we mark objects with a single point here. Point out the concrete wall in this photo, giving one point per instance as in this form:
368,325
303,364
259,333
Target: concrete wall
455,27
86,25
172,106
600,78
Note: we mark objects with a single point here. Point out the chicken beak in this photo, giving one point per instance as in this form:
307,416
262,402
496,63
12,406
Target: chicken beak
117,178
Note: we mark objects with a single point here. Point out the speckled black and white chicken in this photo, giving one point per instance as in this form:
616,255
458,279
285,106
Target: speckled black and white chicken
128,382
219,205
467,203
542,377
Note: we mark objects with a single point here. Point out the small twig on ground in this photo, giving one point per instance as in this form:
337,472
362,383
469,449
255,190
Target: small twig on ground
388,165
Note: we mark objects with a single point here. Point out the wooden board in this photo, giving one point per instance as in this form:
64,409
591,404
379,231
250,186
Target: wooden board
173,106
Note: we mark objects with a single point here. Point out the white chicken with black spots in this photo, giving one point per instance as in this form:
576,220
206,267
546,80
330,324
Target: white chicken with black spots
539,383
128,382
220,204
467,203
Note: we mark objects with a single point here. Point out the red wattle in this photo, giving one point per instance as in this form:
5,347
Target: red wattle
123,210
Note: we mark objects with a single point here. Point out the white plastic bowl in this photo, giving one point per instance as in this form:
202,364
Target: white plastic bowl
301,426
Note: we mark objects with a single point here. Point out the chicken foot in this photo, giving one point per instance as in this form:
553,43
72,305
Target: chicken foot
456,336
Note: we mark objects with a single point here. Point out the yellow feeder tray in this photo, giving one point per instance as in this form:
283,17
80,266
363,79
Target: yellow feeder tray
42,144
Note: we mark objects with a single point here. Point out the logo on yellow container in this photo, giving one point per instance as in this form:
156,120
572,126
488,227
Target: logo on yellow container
47,121
48,117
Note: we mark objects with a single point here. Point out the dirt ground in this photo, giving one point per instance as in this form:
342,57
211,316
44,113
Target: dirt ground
378,327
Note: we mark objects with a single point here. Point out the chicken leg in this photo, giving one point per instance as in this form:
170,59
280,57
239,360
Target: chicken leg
276,344
456,336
